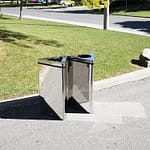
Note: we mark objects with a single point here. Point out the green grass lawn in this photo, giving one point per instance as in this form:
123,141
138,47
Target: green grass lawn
141,10
23,42
134,13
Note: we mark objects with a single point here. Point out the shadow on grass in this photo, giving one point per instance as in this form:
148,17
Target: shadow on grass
10,36
52,43
4,17
14,37
143,26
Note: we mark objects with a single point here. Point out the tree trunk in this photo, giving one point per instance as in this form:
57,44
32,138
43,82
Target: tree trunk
17,2
46,3
106,17
1,12
126,4
21,5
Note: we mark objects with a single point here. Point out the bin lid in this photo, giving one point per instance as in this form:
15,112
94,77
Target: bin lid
83,58
59,62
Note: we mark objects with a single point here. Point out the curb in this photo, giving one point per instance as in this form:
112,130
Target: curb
107,83
111,28
122,79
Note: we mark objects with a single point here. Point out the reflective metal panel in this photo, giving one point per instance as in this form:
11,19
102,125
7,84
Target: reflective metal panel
80,81
52,88
67,78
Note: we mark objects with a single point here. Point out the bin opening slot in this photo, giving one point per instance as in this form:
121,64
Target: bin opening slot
55,59
84,56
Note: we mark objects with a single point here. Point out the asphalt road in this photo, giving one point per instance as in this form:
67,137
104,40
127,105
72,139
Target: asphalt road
82,16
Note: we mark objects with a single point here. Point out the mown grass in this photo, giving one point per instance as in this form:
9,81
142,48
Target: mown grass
134,13
133,10
23,42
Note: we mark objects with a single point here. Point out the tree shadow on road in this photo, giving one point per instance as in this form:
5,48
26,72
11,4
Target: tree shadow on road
71,11
78,11
143,26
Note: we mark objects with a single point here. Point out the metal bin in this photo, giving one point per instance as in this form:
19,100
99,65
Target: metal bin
80,80
52,83
65,78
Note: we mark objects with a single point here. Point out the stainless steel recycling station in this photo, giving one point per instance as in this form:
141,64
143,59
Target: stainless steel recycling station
66,78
